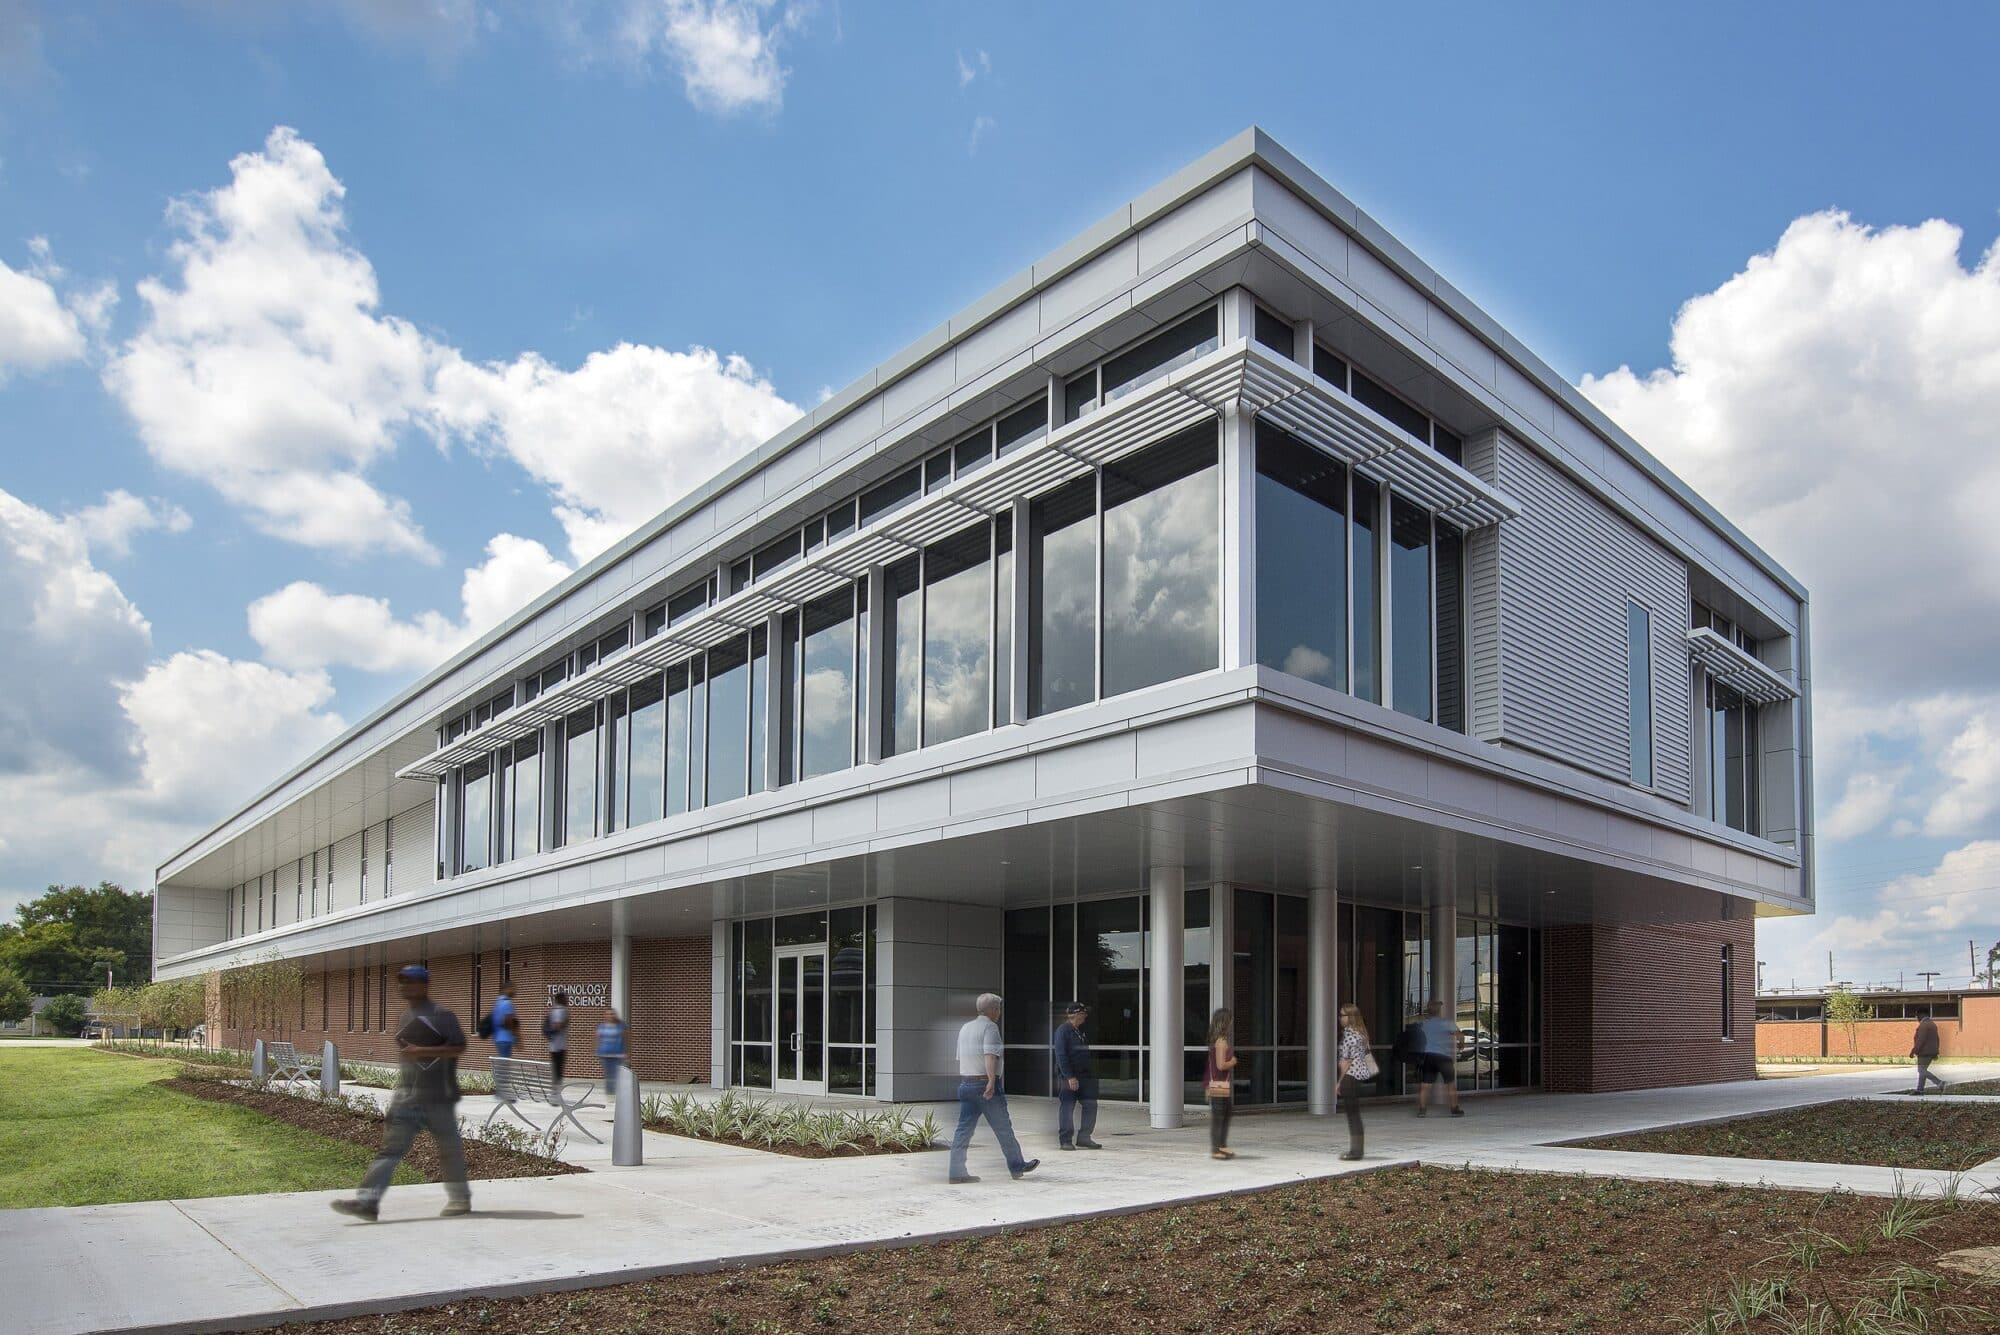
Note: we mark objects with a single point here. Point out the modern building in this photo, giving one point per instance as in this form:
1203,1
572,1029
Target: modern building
1794,1025
1225,610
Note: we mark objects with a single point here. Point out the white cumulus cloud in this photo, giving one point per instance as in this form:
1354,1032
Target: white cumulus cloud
37,330
266,370
111,524
305,626
724,50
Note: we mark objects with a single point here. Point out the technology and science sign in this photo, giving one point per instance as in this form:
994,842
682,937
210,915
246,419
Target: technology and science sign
586,995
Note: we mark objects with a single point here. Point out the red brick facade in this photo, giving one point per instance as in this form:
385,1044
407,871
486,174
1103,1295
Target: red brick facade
667,1031
1974,1033
1639,1005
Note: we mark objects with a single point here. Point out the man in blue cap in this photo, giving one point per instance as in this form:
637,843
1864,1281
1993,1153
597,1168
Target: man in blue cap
426,1098
1076,1081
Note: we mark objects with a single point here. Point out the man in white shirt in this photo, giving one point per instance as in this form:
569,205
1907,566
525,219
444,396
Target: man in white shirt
979,1092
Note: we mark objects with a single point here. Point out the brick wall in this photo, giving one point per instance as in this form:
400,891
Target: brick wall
668,1029
1639,1005
1975,1033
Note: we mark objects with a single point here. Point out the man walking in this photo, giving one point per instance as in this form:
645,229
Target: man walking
1440,1060
1925,1049
1076,1082
426,1097
506,1023
980,1095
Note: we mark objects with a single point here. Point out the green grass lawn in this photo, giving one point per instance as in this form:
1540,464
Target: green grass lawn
87,1128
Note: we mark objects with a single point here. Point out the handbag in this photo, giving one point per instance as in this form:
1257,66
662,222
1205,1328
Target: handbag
1365,1069
1222,1089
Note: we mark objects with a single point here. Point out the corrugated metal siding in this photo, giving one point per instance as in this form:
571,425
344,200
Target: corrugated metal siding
378,875
347,872
414,836
1563,573
1482,594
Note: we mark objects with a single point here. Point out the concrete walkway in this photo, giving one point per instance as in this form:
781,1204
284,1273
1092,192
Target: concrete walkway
246,1261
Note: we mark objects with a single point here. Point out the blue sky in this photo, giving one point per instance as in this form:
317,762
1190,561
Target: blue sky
494,239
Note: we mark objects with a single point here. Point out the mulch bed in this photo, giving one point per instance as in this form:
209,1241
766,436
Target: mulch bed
857,1150
1973,1087
1415,1249
482,1160
1853,1131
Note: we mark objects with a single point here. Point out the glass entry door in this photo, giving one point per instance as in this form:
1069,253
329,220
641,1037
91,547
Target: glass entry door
801,1064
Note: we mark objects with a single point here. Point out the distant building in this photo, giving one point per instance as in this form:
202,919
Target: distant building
1794,1024
32,1027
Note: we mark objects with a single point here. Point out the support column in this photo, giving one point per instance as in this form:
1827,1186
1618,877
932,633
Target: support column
1167,1005
621,963
1444,956
1322,1000
1239,536
720,992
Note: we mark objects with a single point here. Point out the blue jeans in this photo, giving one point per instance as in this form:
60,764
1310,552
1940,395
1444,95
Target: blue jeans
611,1067
972,1105
406,1117
1067,1100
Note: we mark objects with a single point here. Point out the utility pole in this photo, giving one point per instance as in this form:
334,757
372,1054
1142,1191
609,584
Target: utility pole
1972,959
1829,965
1927,975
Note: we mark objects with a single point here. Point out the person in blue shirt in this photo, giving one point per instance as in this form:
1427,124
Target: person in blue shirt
1076,1082
506,1024
611,1049
1439,1064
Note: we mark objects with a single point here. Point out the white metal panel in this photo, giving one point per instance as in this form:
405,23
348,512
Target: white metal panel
413,845
346,890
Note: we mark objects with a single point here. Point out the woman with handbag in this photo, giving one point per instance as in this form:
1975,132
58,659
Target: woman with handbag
1357,1063
1221,1083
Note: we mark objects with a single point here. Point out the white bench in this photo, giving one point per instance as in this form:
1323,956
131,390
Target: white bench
285,1063
517,1080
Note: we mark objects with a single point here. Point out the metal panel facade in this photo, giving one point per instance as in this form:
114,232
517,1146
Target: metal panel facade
411,836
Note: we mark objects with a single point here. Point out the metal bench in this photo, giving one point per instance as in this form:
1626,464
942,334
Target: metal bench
285,1063
517,1080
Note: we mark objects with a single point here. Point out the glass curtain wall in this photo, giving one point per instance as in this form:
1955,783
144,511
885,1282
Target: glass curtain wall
1324,572
1268,994
1095,951
849,935
1730,734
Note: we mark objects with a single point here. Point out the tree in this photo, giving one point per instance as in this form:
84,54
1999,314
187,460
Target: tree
64,1014
71,935
1992,965
1847,1010
116,1005
264,992
15,1002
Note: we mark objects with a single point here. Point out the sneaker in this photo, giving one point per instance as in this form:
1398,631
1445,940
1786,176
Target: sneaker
1065,1146
1420,1110
357,1207
961,1179
1088,1145
1027,1168
1458,1112
454,1208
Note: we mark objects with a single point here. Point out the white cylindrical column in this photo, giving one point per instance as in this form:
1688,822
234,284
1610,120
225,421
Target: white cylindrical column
1167,1003
621,964
1322,1000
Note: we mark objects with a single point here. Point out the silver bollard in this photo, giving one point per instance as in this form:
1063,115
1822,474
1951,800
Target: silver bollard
627,1144
329,1068
258,1072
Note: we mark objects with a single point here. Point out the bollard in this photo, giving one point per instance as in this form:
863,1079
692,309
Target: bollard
258,1072
627,1144
329,1068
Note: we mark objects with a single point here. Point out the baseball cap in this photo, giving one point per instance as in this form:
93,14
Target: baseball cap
1076,1008
414,973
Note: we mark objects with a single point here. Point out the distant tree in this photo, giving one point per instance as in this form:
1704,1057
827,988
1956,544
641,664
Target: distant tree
71,935
117,1005
15,1002
64,1014
187,1005
1993,964
1847,1010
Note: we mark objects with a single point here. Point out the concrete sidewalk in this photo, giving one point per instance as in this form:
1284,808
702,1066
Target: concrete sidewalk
245,1261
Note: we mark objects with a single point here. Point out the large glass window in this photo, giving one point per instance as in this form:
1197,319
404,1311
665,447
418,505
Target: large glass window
647,765
1450,627
580,776
680,696
903,687
827,686
1367,608
1062,591
1639,691
525,794
476,850
1410,608
729,721
1003,622
1731,740
958,636
697,735
1190,340
1301,559
1162,570
760,689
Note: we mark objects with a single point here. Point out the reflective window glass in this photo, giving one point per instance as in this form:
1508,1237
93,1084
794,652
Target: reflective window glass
1372,393
648,760
476,850
1062,589
679,698
1301,559
1003,621
728,721
957,636
697,736
1639,691
827,686
1450,627
892,495
760,694
1162,562
1366,568
1410,620
1190,340
1273,332
580,777
902,691
526,794
1026,423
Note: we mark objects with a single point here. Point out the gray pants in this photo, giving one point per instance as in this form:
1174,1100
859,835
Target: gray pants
407,1116
1924,1073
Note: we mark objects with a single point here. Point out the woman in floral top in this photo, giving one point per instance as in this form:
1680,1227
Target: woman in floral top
1357,1063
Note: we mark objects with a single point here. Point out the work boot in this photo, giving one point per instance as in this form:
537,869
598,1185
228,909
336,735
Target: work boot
1088,1145
357,1207
1353,1148
454,1208
1028,1168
